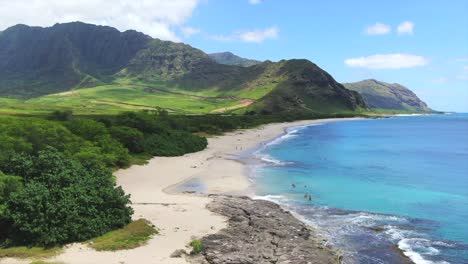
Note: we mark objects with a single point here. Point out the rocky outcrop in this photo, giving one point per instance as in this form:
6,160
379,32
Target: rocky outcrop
388,96
260,232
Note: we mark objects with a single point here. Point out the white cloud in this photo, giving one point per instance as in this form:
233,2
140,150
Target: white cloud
387,61
406,27
258,36
465,68
255,2
462,59
157,18
190,31
378,29
252,36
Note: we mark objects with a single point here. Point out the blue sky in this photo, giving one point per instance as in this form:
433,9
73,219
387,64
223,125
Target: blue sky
422,44
435,60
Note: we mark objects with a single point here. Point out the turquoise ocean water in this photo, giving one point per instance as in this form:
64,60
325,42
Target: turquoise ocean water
375,184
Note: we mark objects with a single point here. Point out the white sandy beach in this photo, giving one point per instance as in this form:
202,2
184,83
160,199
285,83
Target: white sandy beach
180,217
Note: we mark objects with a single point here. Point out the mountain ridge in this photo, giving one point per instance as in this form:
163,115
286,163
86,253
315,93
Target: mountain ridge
36,61
230,58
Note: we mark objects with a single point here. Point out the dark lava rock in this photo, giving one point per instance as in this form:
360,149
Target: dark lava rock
260,232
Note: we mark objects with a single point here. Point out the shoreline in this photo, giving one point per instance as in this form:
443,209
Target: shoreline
248,142
182,217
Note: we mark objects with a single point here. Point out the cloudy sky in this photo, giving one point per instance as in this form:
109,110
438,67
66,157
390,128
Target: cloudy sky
422,44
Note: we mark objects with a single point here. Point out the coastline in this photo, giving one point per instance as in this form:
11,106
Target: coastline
182,217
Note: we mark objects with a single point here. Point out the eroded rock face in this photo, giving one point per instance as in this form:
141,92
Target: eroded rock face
261,232
391,96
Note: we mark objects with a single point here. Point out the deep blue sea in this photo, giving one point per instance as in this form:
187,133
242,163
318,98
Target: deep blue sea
375,184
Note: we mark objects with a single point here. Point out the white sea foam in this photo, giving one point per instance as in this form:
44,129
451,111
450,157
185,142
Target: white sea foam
269,197
410,246
369,219
269,159
290,133
395,233
443,244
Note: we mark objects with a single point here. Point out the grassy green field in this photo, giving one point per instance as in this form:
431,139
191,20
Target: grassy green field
131,236
112,99
253,91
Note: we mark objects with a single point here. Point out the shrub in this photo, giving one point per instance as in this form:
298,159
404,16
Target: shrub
62,201
197,246
130,137
87,128
8,185
174,143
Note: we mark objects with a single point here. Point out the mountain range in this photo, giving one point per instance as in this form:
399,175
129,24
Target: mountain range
64,64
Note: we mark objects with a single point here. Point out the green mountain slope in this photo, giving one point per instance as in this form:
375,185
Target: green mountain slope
36,61
388,96
229,58
301,84
132,69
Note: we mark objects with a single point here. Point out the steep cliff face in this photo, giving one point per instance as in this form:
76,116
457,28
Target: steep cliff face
388,96
36,61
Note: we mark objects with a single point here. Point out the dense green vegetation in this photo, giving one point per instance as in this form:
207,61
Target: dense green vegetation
62,200
56,183
133,235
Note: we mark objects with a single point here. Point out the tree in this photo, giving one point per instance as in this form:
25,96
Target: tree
65,115
130,137
63,201
8,185
106,149
87,128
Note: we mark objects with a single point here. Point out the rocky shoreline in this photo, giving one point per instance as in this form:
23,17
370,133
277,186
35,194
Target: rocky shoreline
261,232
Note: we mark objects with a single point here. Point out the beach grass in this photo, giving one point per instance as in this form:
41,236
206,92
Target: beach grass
135,234
29,252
